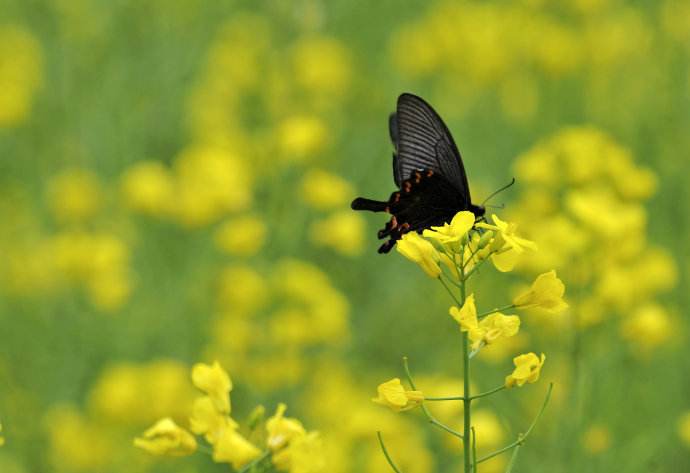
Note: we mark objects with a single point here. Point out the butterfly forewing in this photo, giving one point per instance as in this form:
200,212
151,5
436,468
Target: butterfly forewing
422,141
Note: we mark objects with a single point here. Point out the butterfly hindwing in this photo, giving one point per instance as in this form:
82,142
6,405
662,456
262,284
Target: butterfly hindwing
422,141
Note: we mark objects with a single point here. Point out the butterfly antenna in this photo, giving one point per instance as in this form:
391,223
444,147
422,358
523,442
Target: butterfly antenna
502,206
512,181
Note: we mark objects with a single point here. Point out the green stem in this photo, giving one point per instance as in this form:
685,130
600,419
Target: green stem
256,461
493,311
450,292
385,453
487,393
513,459
467,402
522,437
448,398
432,420
474,450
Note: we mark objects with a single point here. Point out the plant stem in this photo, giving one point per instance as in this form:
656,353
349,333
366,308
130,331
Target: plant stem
492,311
487,393
467,402
385,453
256,461
451,293
521,437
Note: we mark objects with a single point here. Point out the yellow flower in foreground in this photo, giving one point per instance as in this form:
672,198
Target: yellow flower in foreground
231,447
282,430
206,420
392,394
214,381
420,251
467,315
304,455
167,438
546,293
507,247
490,329
450,234
684,428
527,369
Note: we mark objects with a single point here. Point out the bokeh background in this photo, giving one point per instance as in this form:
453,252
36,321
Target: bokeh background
175,180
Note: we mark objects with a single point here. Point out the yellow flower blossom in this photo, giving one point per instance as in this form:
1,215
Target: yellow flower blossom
392,394
466,316
301,137
684,428
21,68
546,293
647,328
206,420
323,190
167,438
487,331
282,430
74,195
596,439
303,455
148,187
241,236
451,234
342,231
214,381
527,370
420,251
231,447
242,289
322,65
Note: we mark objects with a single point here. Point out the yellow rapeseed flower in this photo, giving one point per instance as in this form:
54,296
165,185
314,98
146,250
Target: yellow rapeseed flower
206,420
241,236
322,65
214,381
231,447
466,316
303,455
647,328
684,428
21,68
301,137
74,195
420,251
546,293
509,245
324,190
282,430
148,187
392,394
342,231
167,438
450,235
527,369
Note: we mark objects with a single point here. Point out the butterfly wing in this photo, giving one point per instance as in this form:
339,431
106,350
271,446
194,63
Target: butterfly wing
422,141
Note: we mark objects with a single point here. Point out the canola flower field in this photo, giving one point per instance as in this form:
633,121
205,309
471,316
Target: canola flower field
184,287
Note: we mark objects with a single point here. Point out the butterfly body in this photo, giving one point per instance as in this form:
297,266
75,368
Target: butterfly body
428,170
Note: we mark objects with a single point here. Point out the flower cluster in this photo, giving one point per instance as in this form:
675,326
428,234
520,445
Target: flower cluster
287,445
452,254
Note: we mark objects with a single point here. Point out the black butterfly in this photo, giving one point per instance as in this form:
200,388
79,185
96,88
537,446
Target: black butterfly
428,170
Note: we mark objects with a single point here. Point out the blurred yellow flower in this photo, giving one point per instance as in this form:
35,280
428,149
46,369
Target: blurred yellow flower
527,370
2,438
451,234
392,394
596,439
323,190
167,438
282,430
684,428
301,137
21,68
546,293
231,447
211,182
206,420
322,65
214,381
342,231
303,455
148,187
242,289
420,251
241,236
74,195
647,328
